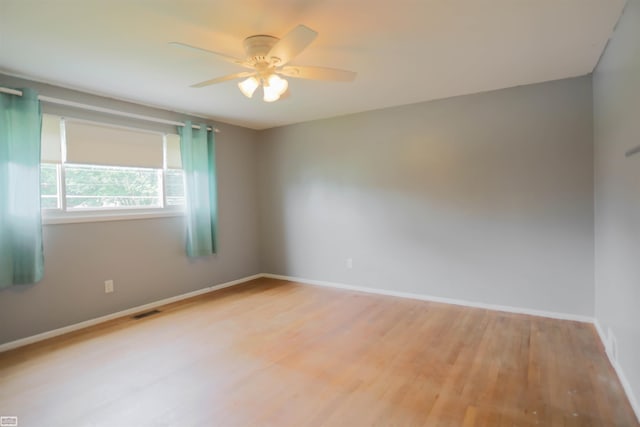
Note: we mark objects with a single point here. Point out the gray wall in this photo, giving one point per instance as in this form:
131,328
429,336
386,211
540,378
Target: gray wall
485,198
145,258
616,85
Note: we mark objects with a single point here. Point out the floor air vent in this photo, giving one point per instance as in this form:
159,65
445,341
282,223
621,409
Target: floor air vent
146,314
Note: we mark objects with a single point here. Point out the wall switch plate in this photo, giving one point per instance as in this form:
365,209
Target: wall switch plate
108,286
349,263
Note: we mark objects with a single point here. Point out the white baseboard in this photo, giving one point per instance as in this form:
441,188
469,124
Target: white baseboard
66,329
424,297
554,315
616,367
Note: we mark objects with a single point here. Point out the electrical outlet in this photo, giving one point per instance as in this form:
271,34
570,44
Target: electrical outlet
108,286
349,263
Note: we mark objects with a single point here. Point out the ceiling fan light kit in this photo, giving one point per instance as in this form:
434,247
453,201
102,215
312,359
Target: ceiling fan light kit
267,56
249,86
273,86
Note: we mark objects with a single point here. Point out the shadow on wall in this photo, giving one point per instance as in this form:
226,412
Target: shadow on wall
448,190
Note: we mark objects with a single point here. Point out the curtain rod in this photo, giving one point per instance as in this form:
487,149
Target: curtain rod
102,109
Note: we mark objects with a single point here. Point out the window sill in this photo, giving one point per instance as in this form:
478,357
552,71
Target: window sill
58,217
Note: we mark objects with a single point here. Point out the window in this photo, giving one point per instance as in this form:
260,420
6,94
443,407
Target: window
49,186
91,170
111,187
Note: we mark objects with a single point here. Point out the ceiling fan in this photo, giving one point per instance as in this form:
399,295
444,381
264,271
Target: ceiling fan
267,58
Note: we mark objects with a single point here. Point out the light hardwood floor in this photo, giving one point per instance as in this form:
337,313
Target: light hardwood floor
275,353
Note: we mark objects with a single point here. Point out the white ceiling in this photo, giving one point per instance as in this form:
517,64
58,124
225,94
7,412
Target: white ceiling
404,51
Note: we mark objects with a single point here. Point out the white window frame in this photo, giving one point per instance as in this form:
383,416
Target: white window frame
62,215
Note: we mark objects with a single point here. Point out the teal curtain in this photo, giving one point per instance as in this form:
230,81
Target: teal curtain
198,152
21,257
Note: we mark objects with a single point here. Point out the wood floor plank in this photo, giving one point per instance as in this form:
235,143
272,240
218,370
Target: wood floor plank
277,353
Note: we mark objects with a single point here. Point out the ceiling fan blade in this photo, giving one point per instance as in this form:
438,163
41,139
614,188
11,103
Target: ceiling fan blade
222,56
224,79
317,73
292,44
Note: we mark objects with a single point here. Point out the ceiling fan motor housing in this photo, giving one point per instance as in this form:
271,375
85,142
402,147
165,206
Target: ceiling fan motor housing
267,57
258,47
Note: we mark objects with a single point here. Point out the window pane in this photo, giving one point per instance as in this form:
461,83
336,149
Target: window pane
103,187
48,186
174,187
